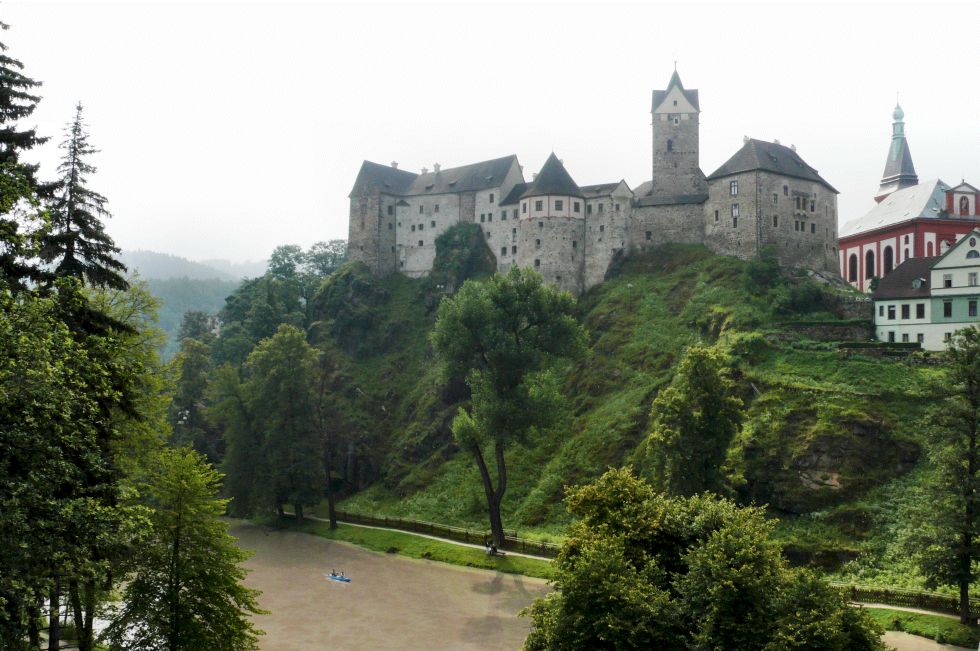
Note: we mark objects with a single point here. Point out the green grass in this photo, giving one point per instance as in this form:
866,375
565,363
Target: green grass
406,544
934,627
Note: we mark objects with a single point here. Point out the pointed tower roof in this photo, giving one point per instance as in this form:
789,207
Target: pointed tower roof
553,179
675,80
899,170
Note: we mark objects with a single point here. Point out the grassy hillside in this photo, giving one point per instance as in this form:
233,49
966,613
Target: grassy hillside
824,440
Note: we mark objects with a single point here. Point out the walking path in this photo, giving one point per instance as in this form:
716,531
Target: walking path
907,609
908,642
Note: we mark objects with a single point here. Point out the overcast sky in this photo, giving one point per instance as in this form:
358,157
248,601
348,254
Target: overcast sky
229,128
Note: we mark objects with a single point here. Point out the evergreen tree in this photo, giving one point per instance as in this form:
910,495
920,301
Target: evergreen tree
77,243
17,101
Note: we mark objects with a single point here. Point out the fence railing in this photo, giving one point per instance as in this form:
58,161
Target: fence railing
934,601
512,541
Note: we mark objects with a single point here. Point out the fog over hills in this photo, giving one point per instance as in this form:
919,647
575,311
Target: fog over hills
151,264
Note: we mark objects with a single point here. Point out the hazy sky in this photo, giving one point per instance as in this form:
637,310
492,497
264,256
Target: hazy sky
229,128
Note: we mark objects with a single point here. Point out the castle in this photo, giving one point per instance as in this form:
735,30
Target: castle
765,195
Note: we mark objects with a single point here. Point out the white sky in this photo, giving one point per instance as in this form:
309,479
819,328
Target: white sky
229,128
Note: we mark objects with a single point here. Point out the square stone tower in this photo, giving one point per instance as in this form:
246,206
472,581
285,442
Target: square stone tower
676,170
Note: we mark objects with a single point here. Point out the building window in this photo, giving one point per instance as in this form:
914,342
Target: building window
796,200
889,259
891,312
539,205
734,210
575,206
420,209
905,337
796,225
716,215
432,224
947,280
948,309
881,310
537,244
617,207
891,337
972,279
391,210
559,204
436,208
813,228
421,243
421,227
513,250
514,215
947,336
920,338
733,188
389,226
906,239
775,221
602,228
734,222
601,207
574,244
524,207
503,250
785,190
649,235
503,215
491,197
920,310
852,268
775,198
670,145
483,217
869,264
540,224
513,231
537,263
813,206
972,306
906,308
413,228
588,209
489,216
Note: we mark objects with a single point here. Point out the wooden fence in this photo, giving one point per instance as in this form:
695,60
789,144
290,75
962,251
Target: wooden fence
934,601
512,541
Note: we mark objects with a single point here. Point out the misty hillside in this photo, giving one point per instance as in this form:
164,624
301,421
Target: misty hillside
150,264
240,270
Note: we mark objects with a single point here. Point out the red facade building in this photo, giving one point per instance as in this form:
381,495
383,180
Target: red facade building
910,220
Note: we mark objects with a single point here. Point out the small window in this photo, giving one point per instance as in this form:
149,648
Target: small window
435,208
420,209
602,228
432,224
785,190
905,337
796,200
537,244
600,207
537,263
524,207
775,198
947,280
575,207
389,226
503,215
670,145
972,306
413,228
891,312
489,216
716,215
733,188
972,279
617,207
421,243
905,311
906,239
513,250
588,209
734,210
920,310
503,250
559,204
734,222
947,336
947,309
483,217
891,337
813,227
399,224
972,254
881,310
539,205
491,197
813,206
775,221
421,227
920,338
540,224
574,244
391,210
649,235
513,231
514,214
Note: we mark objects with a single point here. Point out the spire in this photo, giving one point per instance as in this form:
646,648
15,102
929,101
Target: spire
899,171
675,79
553,179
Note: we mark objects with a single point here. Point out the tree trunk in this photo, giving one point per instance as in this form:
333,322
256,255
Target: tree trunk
279,511
298,508
331,501
88,629
34,624
493,500
54,616
75,599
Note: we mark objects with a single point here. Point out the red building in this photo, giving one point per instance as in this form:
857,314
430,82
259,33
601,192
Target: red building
910,220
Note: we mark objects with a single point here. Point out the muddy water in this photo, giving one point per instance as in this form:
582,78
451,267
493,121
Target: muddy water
393,602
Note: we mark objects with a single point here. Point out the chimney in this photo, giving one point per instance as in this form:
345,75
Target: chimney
745,140
394,164
425,170
534,176
435,167
793,147
776,141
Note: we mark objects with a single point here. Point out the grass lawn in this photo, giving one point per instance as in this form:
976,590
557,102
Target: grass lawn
934,627
407,544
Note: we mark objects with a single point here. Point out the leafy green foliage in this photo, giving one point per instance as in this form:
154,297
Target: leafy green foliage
935,627
185,589
640,570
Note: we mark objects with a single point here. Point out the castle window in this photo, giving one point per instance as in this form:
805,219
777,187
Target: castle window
716,215
420,209
515,213
537,244
540,224
734,222
600,207
920,338
602,228
796,225
537,263
906,310
649,235
670,145
524,207
813,206
677,120
617,207
513,231
734,210
401,264
574,244
432,224
588,209
489,216
483,217
390,226
421,243
733,188
559,204
785,190
539,205
675,102
575,206
813,228
503,250
503,215
436,208
797,201
413,228
920,310
513,250
391,210
421,227
491,197
775,221
775,198
905,337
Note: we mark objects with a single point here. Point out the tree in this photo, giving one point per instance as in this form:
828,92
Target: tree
188,411
77,243
323,258
640,570
951,536
281,374
229,407
694,421
503,336
185,590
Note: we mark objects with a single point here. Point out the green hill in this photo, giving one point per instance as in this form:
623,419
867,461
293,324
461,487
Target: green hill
824,438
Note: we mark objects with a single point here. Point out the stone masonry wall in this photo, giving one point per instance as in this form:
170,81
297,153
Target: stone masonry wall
680,223
554,247
606,234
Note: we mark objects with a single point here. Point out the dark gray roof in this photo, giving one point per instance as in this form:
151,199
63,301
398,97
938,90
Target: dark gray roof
515,194
384,178
552,179
599,190
675,80
673,200
769,157
477,176
898,284
899,171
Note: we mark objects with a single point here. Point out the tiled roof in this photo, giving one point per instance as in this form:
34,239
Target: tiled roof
599,190
675,80
553,179
515,194
769,157
898,284
374,177
926,200
467,178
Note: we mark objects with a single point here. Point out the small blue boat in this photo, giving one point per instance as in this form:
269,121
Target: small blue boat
339,577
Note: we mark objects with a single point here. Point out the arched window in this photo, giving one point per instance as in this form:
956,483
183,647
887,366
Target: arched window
869,264
889,261
973,254
670,145
852,268
964,206
929,249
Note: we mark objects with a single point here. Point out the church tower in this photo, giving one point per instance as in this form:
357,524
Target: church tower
899,171
676,170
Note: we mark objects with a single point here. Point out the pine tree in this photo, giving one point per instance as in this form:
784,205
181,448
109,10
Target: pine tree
77,243
17,102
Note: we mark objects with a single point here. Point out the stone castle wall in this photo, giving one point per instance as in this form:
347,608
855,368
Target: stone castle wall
555,248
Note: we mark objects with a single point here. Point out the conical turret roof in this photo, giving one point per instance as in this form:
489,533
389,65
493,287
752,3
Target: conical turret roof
553,179
899,171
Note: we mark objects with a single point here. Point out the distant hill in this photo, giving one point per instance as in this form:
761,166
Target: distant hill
247,269
150,264
180,295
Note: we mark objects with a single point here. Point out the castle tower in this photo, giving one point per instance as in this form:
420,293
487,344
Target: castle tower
552,228
676,170
899,171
